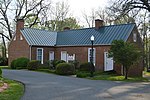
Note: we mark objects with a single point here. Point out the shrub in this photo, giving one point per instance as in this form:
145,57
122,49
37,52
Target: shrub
83,74
54,63
21,63
75,63
12,65
65,69
46,65
86,67
0,73
33,65
3,61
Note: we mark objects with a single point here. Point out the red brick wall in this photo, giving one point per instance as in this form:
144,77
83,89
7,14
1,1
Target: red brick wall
82,54
136,69
18,48
46,51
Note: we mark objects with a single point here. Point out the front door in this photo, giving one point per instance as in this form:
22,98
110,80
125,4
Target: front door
108,62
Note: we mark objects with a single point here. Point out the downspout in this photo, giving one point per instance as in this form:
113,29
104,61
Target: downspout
30,52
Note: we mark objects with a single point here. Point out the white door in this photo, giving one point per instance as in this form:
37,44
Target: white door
108,62
51,55
90,53
64,55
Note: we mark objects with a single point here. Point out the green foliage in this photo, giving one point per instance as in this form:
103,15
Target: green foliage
65,69
54,63
33,65
3,61
83,74
0,73
59,25
86,67
75,63
46,65
12,65
124,53
21,63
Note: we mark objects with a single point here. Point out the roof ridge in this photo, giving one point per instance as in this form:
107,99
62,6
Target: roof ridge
37,29
120,24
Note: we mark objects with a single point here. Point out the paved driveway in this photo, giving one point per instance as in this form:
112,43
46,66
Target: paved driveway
42,86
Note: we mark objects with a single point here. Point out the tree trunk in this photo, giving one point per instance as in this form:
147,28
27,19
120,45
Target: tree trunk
126,72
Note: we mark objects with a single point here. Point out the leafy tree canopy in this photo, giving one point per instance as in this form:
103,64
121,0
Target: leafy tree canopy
124,53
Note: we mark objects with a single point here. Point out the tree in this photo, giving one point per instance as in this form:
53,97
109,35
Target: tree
19,9
56,25
124,53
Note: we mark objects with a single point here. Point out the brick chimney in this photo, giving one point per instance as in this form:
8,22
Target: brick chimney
19,26
98,23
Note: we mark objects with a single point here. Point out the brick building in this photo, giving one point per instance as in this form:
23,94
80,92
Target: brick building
69,44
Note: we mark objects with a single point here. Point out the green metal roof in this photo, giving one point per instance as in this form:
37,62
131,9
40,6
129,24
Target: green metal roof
39,37
103,36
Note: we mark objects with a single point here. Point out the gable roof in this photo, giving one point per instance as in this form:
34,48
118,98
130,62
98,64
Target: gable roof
39,37
103,36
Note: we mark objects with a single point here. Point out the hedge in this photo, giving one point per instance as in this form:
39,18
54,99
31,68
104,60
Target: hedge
65,69
33,65
86,67
21,63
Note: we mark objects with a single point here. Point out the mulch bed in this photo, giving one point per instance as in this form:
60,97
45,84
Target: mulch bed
4,87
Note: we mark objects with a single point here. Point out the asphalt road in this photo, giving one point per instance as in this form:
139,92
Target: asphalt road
42,86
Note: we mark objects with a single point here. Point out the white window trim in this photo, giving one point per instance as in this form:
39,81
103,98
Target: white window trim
53,53
21,38
66,56
37,54
15,38
134,37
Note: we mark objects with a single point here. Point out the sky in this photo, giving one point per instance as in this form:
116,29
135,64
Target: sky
78,7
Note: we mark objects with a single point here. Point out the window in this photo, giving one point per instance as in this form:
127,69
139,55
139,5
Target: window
64,55
39,55
51,55
15,38
21,38
134,37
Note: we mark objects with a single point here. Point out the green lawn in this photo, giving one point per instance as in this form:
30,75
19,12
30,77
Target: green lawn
5,67
14,91
118,78
110,76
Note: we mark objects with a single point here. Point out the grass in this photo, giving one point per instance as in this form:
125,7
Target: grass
146,73
5,67
14,91
118,78
111,76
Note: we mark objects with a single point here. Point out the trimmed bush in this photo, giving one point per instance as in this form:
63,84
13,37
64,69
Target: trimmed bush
54,63
3,61
21,63
85,67
75,63
0,73
33,65
65,69
12,65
